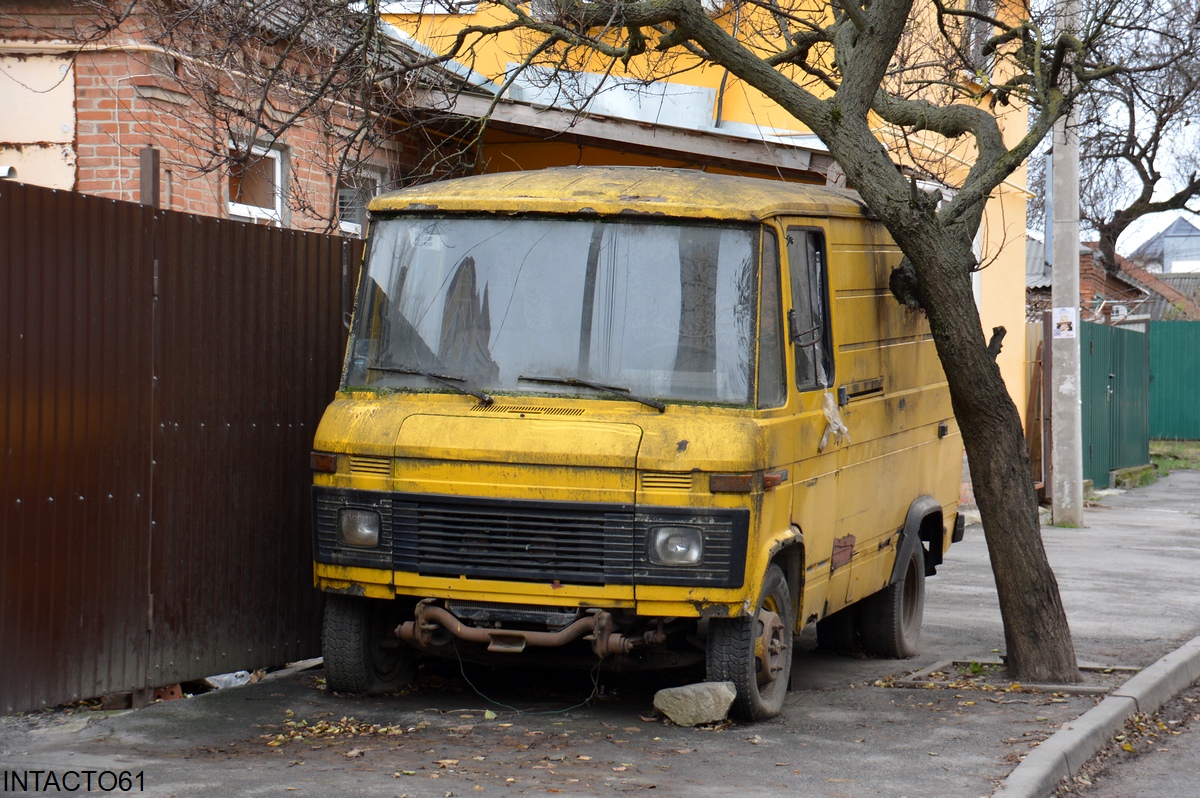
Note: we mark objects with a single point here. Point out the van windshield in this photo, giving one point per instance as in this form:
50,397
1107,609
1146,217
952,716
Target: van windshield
547,306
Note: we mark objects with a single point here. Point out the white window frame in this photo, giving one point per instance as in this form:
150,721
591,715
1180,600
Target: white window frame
353,229
429,7
975,35
253,213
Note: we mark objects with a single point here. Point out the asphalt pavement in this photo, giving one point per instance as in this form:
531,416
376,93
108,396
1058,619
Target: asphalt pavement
851,727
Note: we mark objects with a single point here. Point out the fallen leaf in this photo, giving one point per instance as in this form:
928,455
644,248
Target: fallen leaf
620,769
354,752
445,763
489,715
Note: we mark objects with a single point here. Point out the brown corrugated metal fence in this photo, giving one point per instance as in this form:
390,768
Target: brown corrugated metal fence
162,375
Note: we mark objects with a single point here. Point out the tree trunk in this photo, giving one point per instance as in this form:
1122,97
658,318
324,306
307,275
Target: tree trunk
1036,634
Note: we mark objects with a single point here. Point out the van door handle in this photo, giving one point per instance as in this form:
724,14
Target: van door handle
859,390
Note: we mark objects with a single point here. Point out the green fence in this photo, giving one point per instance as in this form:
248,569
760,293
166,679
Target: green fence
1115,375
1175,380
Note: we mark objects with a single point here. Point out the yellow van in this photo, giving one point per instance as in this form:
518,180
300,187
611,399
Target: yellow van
656,417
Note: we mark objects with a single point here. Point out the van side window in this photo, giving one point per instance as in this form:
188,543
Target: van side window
808,320
772,382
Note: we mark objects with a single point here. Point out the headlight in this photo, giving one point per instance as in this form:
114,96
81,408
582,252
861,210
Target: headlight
358,527
676,545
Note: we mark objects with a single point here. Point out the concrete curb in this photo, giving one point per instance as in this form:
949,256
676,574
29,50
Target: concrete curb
1065,752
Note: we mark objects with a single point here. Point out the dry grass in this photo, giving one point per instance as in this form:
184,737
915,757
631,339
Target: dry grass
1171,456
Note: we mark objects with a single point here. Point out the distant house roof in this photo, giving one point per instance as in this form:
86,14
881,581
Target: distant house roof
1038,273
1037,270
1170,296
1155,248
1179,302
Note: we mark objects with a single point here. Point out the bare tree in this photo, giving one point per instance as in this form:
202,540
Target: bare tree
1139,151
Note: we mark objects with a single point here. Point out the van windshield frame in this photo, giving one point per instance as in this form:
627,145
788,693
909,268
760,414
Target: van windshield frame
665,310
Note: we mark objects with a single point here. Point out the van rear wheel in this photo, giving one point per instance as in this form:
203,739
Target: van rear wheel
361,656
755,653
889,624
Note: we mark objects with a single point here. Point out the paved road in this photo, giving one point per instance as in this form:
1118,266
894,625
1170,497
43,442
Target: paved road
1128,584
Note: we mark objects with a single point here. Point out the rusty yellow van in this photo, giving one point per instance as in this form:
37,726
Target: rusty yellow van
650,416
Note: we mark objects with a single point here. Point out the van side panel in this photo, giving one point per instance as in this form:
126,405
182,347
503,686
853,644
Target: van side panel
893,398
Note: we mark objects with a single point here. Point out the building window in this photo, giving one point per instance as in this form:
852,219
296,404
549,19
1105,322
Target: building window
256,187
976,33
353,194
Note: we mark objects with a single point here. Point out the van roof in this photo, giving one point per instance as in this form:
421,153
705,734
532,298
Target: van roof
623,191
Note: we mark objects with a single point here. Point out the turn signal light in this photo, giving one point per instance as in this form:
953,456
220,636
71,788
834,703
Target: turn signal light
773,479
744,483
325,462
731,483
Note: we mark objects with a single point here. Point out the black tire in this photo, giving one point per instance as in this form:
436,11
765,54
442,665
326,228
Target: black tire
360,655
889,623
755,653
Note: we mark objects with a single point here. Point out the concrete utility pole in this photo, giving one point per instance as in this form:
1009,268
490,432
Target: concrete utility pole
1066,453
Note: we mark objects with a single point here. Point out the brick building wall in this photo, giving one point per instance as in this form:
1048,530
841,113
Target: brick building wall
128,97
1099,289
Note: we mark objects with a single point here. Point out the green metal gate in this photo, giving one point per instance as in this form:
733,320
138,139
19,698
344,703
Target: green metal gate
1115,376
1174,380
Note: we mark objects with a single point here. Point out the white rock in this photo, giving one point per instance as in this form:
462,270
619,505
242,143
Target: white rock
696,704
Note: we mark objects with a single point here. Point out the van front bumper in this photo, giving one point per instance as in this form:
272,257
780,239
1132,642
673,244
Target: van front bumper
596,626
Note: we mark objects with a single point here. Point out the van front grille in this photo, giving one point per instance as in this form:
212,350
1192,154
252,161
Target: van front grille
371,466
500,539
666,480
530,541
528,410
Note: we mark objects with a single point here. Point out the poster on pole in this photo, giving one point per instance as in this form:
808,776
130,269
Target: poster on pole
1065,322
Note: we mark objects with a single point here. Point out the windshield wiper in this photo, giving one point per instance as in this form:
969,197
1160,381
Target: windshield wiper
596,386
457,383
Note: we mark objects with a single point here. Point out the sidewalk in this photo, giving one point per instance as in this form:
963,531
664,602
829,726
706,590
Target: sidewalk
1127,580
1154,592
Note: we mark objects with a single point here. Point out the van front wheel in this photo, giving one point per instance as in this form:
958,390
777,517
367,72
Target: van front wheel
360,654
890,620
755,652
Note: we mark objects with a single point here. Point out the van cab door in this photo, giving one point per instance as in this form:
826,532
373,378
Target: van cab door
810,349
